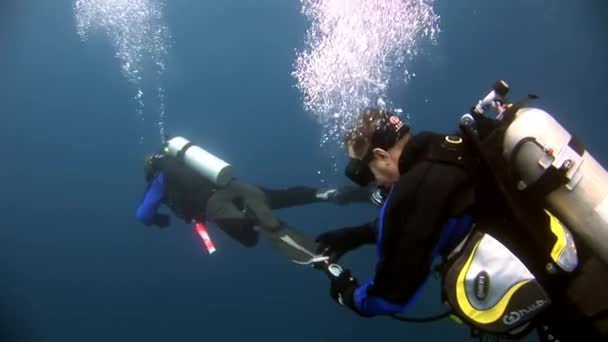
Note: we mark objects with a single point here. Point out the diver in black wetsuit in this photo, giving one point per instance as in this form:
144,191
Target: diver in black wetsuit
236,208
432,203
405,243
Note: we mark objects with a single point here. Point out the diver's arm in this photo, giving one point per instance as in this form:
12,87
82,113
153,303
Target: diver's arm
147,211
364,234
353,194
368,233
411,230
335,243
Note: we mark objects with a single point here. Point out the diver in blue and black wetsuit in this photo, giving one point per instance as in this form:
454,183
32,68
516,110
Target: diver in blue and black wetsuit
406,244
236,208
434,195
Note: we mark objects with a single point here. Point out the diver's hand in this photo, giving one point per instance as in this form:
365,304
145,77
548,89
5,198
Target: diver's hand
343,288
336,243
162,221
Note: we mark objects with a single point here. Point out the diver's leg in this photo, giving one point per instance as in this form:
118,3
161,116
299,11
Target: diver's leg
255,204
222,210
291,197
302,195
286,240
353,194
240,230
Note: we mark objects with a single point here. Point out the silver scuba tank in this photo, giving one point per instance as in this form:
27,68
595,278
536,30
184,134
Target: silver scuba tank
535,144
205,163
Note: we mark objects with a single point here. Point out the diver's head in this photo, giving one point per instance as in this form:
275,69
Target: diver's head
149,168
150,165
374,146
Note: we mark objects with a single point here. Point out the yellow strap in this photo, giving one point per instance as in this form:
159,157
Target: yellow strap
558,230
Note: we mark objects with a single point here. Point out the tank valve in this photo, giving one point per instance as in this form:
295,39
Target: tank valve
501,88
468,121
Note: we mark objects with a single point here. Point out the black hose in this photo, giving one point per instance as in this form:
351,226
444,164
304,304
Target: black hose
423,319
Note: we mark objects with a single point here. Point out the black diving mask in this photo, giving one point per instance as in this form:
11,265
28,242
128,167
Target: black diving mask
390,130
357,170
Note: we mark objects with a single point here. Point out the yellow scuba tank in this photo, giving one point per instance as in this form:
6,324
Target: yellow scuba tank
548,161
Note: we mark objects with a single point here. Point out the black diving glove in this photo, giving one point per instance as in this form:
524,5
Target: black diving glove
343,288
162,221
336,243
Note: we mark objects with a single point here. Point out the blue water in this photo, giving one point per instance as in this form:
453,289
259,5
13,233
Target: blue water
74,264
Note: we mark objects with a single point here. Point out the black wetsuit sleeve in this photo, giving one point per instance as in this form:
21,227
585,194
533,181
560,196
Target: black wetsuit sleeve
412,224
364,234
147,212
354,194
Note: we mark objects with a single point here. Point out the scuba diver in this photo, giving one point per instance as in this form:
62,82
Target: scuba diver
199,187
489,203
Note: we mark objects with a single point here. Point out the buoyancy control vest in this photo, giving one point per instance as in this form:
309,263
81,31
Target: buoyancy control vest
489,279
186,192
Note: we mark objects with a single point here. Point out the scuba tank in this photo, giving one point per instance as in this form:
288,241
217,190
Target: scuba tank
549,164
548,160
205,163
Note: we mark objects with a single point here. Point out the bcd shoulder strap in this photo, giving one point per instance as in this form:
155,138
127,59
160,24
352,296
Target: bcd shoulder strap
448,149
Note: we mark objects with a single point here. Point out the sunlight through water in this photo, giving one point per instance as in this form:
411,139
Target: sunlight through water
353,50
140,39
